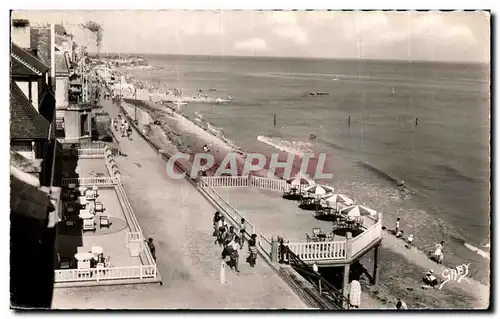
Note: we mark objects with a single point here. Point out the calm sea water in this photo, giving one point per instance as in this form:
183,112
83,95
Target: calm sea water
444,160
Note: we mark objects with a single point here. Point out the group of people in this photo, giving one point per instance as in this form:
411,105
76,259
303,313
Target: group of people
125,128
232,241
437,255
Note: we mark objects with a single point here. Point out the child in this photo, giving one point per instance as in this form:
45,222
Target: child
399,234
243,227
410,241
396,230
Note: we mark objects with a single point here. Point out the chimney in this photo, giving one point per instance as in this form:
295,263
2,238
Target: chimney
20,33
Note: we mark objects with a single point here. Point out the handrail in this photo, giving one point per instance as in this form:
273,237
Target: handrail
326,250
361,241
230,211
225,181
107,273
263,240
278,185
332,293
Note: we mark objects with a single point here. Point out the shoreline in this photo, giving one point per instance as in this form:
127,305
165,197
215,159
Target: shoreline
466,295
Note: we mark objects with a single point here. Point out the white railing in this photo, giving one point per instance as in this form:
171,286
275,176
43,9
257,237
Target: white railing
91,153
277,185
225,181
368,236
326,250
225,207
111,273
89,181
265,245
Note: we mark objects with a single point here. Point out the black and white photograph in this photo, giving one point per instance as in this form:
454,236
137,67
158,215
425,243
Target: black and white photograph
335,160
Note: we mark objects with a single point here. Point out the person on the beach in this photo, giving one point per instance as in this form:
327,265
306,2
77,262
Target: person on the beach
152,248
410,241
205,148
355,294
438,253
430,279
401,304
399,234
243,227
122,130
396,230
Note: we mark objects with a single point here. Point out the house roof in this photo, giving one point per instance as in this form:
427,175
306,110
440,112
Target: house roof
25,121
27,197
61,65
24,164
19,69
40,41
28,60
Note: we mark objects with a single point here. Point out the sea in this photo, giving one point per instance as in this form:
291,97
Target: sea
380,122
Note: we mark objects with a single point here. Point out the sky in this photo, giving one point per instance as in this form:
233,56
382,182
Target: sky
428,36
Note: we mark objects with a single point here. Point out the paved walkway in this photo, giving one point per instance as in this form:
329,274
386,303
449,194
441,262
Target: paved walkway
177,216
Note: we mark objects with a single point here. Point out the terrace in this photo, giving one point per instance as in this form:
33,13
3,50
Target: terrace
99,241
259,201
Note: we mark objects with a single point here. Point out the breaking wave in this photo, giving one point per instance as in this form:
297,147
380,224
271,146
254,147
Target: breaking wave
292,147
480,252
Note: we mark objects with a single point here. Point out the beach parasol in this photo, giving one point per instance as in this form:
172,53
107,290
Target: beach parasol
358,210
83,256
300,180
337,198
319,189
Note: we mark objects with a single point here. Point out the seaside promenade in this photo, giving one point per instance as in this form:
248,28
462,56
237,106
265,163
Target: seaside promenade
179,219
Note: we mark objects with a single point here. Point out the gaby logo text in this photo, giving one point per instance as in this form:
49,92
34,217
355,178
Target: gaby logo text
252,162
455,274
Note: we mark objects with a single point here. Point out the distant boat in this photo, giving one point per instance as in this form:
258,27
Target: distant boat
180,103
335,78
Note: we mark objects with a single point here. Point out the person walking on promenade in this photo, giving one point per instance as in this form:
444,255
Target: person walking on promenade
243,227
355,294
128,130
252,248
152,248
222,227
229,236
122,129
232,250
215,222
396,229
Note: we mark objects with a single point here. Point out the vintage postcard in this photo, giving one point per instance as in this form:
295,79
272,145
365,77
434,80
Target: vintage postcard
223,159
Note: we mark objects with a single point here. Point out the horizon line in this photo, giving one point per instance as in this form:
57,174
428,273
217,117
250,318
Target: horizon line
299,57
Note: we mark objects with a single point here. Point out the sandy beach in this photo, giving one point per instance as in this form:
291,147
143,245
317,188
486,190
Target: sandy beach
401,269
